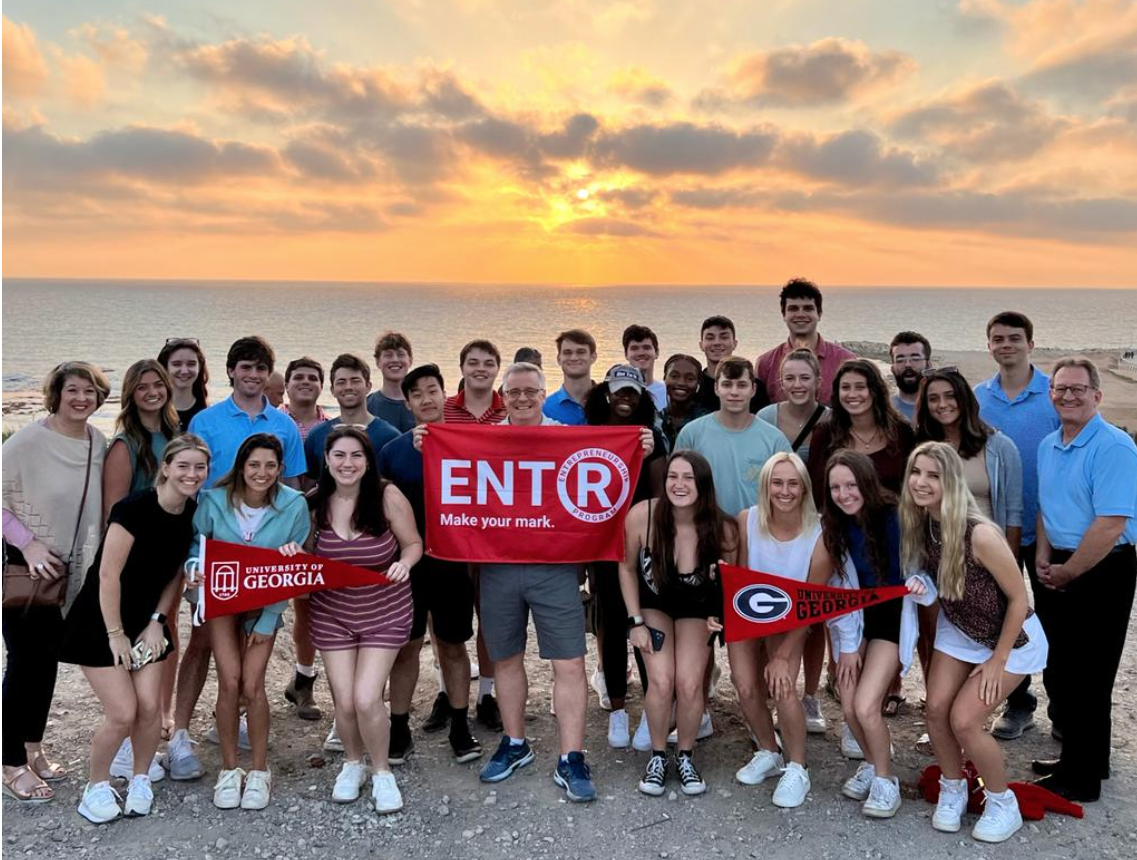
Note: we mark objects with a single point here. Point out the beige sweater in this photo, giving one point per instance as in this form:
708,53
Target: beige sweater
43,485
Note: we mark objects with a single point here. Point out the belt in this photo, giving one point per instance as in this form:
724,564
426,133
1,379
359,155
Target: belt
1117,550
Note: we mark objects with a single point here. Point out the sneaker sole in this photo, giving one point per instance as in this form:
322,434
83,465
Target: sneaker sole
469,755
137,813
943,828
651,790
694,791
563,783
90,816
854,795
881,813
234,805
816,729
508,772
388,810
618,745
995,839
1013,735
401,759
784,805
775,772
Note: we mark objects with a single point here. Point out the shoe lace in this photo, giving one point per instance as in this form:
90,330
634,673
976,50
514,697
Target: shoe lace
656,768
578,767
794,775
105,794
687,771
878,792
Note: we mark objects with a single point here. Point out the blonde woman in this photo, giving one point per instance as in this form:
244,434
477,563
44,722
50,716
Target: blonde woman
987,636
779,535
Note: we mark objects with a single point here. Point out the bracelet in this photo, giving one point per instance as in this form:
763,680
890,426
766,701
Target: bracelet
114,632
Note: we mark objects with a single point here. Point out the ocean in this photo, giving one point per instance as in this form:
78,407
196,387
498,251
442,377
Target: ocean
114,323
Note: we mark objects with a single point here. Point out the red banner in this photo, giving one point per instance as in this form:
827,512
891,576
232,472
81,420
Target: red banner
529,494
237,578
757,604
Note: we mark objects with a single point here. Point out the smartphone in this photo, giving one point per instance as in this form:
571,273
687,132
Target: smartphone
657,637
140,655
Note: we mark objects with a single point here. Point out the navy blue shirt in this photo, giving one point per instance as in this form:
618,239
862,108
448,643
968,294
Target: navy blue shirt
378,431
859,553
400,463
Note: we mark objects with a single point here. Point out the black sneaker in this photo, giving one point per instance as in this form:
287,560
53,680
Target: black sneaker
439,714
689,778
488,714
466,747
401,745
655,775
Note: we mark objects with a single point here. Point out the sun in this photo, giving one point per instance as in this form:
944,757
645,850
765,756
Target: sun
583,194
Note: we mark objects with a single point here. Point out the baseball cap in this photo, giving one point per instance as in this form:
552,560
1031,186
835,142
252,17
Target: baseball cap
624,376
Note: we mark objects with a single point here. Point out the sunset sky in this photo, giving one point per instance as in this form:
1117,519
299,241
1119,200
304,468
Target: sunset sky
574,141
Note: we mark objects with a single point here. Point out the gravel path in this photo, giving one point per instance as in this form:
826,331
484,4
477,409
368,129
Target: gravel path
449,814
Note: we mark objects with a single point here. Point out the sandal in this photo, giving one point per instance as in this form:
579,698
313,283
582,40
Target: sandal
34,789
48,771
891,707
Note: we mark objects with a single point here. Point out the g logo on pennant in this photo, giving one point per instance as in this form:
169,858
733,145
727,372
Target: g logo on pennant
223,579
762,604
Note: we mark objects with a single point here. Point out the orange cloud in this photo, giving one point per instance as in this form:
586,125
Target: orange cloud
638,85
25,71
114,46
82,78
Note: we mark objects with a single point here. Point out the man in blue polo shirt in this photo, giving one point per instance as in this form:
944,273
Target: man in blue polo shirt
576,353
1087,529
225,425
1016,400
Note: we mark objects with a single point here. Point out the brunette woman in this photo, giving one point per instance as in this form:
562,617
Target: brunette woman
117,629
861,530
53,505
249,506
363,520
620,400
185,362
669,581
987,636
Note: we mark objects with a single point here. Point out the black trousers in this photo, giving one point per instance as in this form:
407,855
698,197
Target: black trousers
32,639
1021,698
1087,631
604,581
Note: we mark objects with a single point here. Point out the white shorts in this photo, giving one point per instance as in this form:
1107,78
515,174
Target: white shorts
1027,660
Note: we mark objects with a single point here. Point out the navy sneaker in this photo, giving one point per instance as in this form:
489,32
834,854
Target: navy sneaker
575,778
508,758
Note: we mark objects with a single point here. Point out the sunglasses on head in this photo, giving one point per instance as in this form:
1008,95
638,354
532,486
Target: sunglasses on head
173,340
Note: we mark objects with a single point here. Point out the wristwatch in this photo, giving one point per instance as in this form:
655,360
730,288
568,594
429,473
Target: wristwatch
159,617
635,621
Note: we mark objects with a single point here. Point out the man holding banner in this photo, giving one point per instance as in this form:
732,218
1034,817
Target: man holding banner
532,519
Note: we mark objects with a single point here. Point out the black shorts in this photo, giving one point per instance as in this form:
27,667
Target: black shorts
682,601
445,591
882,621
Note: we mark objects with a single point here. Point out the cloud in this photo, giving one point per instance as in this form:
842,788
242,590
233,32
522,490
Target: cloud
854,158
718,198
25,72
114,46
83,80
638,85
608,227
684,147
632,197
987,122
606,18
826,72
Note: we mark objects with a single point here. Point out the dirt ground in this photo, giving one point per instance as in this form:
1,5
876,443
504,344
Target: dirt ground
449,814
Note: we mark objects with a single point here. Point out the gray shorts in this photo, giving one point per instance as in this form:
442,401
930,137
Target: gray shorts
551,591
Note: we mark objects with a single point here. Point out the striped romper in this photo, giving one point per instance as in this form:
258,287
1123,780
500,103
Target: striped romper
365,616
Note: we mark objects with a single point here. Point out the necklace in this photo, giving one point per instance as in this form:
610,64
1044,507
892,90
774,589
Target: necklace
865,443
932,532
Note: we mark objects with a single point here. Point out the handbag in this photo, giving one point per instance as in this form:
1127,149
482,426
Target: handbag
21,591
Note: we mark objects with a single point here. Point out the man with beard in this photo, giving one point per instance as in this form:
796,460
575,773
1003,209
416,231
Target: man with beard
911,355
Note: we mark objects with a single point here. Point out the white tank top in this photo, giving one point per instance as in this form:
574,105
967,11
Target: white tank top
781,558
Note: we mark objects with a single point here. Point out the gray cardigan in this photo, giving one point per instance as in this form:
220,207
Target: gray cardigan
1005,474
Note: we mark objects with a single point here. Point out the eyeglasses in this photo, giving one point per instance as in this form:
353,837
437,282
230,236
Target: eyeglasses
902,360
1058,392
516,393
933,371
192,340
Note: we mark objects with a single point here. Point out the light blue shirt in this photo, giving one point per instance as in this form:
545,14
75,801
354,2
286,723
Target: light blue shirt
224,426
1027,419
736,456
1095,475
561,407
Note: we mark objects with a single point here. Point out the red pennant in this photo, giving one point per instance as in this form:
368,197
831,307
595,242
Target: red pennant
757,604
238,578
543,495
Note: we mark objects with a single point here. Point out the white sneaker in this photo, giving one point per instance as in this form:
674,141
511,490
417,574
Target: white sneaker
618,737
792,787
884,797
139,797
706,729
258,787
601,688
385,792
1001,818
641,741
849,746
352,777
763,764
99,803
858,785
691,783
815,722
951,805
242,734
123,764
332,742
179,758
227,790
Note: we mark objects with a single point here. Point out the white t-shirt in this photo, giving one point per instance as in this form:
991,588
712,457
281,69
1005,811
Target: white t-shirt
250,520
658,393
788,558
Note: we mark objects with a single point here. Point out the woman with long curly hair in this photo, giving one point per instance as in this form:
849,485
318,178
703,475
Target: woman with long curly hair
987,636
